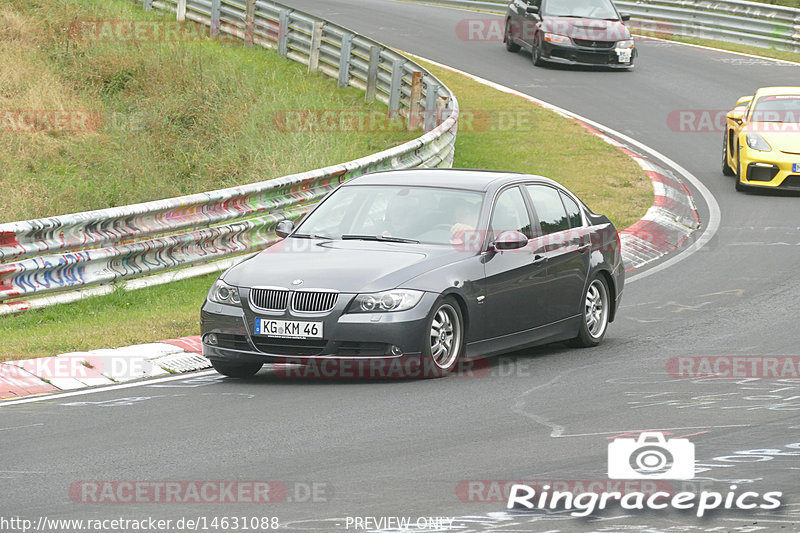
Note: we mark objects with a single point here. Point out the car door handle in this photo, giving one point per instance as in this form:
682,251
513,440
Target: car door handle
538,258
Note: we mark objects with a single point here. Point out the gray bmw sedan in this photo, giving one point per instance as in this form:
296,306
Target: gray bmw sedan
413,272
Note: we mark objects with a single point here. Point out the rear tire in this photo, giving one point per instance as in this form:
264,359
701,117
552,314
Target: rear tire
511,46
596,310
726,168
236,370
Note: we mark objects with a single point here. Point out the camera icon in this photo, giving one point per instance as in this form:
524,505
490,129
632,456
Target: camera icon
650,457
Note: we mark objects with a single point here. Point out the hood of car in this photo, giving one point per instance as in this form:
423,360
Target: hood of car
347,266
783,137
587,29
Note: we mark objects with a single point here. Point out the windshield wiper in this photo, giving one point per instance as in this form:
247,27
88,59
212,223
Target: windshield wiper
309,236
376,238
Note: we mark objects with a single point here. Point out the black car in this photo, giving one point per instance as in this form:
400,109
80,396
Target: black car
571,32
420,269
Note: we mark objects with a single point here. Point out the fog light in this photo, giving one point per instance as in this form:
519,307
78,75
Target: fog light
396,351
211,339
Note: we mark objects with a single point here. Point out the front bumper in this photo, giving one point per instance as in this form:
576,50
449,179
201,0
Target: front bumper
769,169
585,56
346,336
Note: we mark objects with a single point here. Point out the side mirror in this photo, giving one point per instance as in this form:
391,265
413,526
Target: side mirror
625,17
743,101
736,114
533,10
510,240
284,228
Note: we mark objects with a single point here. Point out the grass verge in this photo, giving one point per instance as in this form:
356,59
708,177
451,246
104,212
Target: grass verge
497,131
151,117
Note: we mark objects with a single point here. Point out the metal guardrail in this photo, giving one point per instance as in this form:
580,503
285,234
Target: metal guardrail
77,250
735,21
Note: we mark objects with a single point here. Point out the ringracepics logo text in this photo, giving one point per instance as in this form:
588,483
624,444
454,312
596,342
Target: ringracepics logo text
650,456
588,503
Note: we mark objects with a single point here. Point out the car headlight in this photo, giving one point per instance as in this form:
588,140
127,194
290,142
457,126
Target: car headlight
222,293
556,38
628,43
757,142
379,302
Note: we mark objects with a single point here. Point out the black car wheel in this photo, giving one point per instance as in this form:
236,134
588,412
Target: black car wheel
536,53
596,307
726,168
444,340
236,370
510,45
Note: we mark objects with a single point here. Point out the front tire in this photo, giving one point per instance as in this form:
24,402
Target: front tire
236,370
444,343
596,309
511,46
726,168
536,54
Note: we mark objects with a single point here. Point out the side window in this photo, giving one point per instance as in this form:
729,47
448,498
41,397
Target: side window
573,211
549,209
511,213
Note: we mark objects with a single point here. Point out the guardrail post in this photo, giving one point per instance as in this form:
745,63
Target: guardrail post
431,97
148,4
372,73
316,42
215,16
344,59
414,103
181,10
395,89
249,22
283,32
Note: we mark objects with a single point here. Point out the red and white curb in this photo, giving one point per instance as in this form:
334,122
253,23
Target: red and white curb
667,224
78,370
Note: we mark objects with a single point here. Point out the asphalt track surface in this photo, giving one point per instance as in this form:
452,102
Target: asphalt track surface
401,448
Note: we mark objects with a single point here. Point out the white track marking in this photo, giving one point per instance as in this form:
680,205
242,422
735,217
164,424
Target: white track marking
19,427
59,396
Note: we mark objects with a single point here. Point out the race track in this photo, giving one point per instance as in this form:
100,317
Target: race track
403,448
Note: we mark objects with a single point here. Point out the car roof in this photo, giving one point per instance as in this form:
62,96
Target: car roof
777,91
458,178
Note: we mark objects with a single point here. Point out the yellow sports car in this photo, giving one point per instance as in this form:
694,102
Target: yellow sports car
762,140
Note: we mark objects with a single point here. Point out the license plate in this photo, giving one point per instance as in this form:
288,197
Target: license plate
624,55
796,167
291,329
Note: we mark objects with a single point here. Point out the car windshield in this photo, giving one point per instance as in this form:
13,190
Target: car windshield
781,108
595,9
394,213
